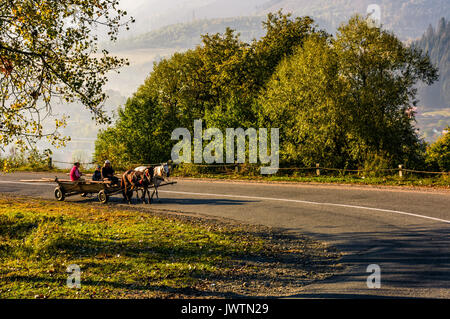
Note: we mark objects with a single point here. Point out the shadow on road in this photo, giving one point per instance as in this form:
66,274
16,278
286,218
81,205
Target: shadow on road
410,258
168,201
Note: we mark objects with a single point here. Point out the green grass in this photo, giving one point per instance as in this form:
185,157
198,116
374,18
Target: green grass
131,253
392,180
409,180
29,168
122,253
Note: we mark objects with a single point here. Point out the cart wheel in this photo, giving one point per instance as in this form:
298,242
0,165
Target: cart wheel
103,197
59,194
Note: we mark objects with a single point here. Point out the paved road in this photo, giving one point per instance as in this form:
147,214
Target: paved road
405,232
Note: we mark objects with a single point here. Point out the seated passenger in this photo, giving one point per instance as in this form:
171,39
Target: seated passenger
97,176
108,173
75,173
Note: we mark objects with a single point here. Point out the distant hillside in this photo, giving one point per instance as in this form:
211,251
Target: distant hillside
187,35
436,42
153,14
434,108
407,18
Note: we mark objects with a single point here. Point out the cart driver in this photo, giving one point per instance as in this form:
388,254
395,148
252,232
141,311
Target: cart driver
108,173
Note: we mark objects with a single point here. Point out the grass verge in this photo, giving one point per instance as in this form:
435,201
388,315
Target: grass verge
128,253
409,180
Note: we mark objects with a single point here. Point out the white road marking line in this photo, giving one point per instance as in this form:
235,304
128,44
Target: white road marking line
25,183
312,203
278,199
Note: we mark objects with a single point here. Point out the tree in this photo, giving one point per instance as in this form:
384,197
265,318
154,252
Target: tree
304,100
438,153
345,100
48,50
283,35
218,81
380,74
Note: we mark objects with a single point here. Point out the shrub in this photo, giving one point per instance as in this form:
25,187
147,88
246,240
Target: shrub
438,153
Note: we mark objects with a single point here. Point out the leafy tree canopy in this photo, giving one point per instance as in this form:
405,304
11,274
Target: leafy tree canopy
340,101
343,100
217,81
438,153
48,50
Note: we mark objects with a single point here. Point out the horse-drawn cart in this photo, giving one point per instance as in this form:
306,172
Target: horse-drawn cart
103,189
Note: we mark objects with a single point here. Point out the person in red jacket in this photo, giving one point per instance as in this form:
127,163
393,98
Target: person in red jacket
75,173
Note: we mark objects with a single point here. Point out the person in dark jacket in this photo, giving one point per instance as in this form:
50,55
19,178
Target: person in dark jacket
97,174
108,173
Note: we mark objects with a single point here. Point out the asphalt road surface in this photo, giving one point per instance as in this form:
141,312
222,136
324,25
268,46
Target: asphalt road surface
405,232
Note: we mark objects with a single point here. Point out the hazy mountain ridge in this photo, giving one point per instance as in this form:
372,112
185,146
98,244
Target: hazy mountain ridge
154,14
188,35
436,42
407,18
434,107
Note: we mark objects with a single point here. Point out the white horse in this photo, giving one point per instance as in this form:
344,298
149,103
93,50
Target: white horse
161,173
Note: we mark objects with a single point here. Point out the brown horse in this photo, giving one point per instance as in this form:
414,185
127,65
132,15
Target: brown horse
146,181
134,180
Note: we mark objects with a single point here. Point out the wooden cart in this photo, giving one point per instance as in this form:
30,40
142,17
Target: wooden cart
103,189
